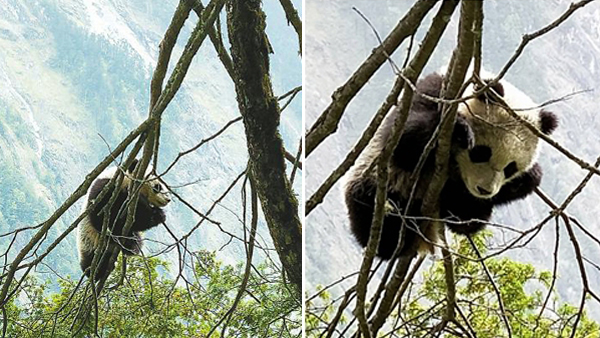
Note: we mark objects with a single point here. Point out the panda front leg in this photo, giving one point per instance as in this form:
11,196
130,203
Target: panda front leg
464,213
520,187
158,217
147,216
132,244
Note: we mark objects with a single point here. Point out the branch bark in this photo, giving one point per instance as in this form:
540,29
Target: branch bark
453,82
411,72
260,112
291,14
327,123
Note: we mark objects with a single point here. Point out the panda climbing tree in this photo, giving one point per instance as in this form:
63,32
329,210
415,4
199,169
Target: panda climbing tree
492,162
209,265
152,196
439,157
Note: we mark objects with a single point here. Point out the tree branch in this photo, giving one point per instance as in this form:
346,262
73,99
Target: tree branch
260,112
327,123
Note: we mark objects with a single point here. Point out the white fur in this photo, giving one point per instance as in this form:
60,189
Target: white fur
509,139
87,237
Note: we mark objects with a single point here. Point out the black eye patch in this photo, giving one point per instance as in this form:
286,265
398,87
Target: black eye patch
480,154
510,169
157,188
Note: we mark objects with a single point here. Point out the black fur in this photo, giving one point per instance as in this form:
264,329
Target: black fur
549,122
519,187
487,96
146,217
360,200
466,213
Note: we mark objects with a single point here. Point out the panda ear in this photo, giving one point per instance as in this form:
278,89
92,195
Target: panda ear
132,166
548,122
486,96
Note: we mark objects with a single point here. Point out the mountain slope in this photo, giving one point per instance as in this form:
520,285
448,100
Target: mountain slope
75,80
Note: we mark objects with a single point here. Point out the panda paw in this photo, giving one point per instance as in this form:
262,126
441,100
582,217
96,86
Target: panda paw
158,217
463,133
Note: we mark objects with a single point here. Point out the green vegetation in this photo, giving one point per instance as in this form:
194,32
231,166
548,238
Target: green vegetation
149,304
13,121
19,206
523,291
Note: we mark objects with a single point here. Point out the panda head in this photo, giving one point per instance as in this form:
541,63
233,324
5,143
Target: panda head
153,190
504,148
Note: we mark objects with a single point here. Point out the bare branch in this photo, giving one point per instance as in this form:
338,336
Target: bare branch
292,17
327,123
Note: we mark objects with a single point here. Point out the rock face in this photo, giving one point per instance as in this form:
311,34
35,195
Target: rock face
557,64
75,70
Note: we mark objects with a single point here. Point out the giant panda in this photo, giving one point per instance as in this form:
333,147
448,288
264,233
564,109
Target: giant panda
492,162
153,196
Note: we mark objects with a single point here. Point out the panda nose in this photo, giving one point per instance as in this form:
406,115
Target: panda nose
483,191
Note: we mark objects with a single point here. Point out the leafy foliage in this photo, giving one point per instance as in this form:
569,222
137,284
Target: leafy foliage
523,290
317,317
150,304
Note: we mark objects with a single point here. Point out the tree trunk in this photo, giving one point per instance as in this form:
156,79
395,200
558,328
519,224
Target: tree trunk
260,111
